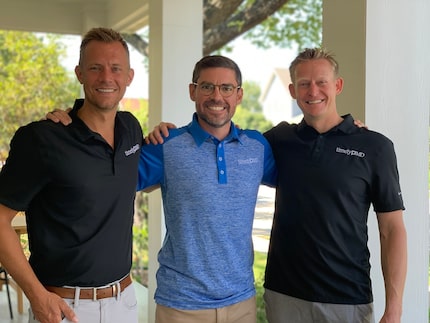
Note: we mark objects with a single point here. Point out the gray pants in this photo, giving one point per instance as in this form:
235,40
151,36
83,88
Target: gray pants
121,309
281,308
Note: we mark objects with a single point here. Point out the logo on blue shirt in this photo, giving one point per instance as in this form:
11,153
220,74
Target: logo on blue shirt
247,161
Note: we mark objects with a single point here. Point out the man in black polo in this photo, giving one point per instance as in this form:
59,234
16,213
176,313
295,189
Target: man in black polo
329,173
77,185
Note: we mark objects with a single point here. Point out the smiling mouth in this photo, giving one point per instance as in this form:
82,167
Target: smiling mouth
106,90
216,108
315,101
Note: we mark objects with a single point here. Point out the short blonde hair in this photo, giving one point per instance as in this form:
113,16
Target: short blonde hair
102,34
311,54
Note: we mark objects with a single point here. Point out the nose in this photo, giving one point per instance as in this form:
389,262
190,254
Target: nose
105,74
313,89
217,92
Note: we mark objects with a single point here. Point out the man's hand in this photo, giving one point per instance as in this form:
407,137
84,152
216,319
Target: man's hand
156,135
390,319
360,124
51,308
58,115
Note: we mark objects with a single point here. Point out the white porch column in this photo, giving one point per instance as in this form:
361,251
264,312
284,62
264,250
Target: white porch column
176,32
383,47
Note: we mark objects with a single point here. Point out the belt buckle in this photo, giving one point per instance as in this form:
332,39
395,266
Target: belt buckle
94,294
115,291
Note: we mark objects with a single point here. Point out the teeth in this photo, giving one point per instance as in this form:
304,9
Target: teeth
315,101
106,90
216,108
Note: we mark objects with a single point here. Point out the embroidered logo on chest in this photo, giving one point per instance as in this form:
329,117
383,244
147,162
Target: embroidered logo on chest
350,152
247,161
132,150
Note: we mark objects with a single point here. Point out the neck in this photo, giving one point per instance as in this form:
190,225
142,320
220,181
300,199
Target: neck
101,122
218,132
323,125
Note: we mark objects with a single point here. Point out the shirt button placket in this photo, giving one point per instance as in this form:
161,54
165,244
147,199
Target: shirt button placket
222,170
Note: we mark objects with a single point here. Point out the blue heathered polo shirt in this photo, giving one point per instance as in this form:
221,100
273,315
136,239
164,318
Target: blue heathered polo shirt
209,189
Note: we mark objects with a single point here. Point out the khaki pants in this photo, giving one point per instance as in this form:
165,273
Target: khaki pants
243,312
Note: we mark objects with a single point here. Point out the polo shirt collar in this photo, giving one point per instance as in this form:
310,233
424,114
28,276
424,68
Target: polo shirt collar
85,132
200,135
346,126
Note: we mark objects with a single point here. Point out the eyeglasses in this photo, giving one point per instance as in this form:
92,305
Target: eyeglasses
226,90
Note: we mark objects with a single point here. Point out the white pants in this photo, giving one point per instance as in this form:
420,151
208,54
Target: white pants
106,310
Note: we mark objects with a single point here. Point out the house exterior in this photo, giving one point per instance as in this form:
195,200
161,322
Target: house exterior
278,105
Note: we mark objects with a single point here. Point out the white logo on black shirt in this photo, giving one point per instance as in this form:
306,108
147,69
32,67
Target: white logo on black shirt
132,150
350,152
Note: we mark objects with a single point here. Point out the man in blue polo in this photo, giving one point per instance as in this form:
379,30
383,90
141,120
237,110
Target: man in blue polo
209,172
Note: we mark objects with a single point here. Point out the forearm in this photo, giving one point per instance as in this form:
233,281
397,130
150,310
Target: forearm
394,266
13,259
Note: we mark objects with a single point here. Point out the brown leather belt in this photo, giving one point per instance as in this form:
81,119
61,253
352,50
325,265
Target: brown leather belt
91,293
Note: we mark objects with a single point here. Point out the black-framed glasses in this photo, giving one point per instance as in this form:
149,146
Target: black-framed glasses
226,90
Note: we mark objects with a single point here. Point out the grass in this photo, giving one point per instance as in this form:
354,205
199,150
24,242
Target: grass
259,267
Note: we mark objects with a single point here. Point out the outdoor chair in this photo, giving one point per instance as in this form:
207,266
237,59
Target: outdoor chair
5,280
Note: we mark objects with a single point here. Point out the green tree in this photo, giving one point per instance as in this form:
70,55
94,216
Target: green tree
251,98
32,81
266,23
298,22
249,113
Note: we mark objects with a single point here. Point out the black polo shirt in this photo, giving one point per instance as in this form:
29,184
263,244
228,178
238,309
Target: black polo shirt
327,182
78,195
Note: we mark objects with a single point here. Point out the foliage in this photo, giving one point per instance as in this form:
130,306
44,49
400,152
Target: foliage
259,268
32,81
298,22
251,97
140,111
267,23
140,241
249,113
250,120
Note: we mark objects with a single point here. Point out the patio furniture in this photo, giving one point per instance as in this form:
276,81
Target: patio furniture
4,280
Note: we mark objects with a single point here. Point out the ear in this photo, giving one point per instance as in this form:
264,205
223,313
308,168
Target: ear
130,76
292,90
192,90
78,73
239,96
339,85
